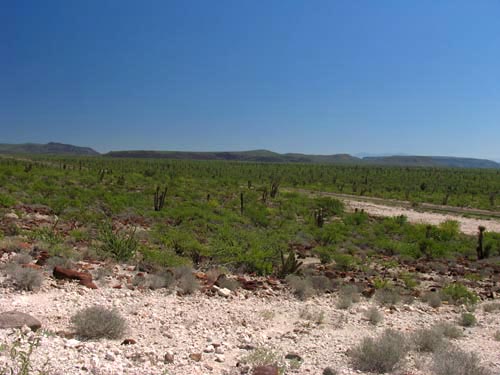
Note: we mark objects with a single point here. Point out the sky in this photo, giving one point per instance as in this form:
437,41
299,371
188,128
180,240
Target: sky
322,76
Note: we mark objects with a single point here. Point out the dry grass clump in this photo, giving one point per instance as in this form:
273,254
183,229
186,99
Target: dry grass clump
264,357
374,316
454,361
491,307
348,295
316,317
186,281
24,278
160,280
449,330
387,296
433,299
301,287
21,258
382,354
98,322
467,320
428,339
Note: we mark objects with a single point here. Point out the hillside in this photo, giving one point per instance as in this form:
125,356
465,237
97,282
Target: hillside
51,148
432,161
251,156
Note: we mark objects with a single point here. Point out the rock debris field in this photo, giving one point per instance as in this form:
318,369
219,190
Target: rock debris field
216,331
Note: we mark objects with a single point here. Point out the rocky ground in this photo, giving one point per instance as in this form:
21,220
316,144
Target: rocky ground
212,333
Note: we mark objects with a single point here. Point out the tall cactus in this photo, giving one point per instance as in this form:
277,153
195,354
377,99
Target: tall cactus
481,251
159,199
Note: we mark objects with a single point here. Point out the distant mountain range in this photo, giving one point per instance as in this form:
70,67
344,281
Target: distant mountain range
51,148
261,156
273,157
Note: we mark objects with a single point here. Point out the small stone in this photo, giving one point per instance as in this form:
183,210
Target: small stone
219,350
169,357
128,342
195,357
294,357
209,349
72,343
219,358
109,356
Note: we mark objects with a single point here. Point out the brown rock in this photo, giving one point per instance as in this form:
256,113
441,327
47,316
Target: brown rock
85,278
195,357
169,357
265,370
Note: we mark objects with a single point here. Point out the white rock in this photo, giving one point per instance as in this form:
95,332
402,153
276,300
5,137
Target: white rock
73,343
109,356
11,215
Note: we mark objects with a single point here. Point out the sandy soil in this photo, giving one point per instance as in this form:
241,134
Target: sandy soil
467,225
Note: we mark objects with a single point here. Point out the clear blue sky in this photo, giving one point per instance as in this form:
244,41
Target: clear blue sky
417,77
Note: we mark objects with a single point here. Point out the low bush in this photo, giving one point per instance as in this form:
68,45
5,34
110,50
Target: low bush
454,361
467,320
98,322
387,296
433,299
25,278
186,281
121,246
428,340
491,307
316,317
374,316
301,287
459,294
449,330
496,335
382,354
347,296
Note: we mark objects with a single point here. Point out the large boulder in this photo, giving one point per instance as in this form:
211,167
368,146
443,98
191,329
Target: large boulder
17,319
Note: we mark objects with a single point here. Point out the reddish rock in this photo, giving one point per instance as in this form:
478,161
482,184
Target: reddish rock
265,370
42,258
67,274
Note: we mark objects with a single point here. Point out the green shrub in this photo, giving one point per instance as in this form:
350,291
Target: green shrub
454,361
344,262
459,294
467,320
118,245
98,322
382,354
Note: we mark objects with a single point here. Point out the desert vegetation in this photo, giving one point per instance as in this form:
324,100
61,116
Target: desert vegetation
186,230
